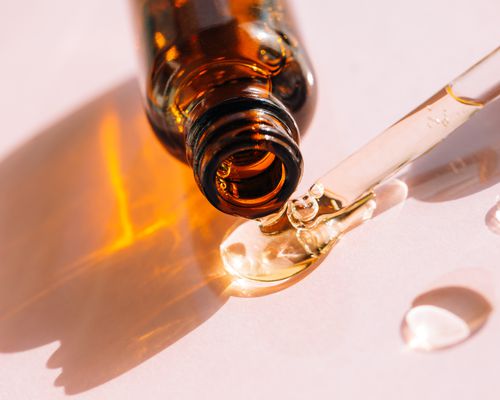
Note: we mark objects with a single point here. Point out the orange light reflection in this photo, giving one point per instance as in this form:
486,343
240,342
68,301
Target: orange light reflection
109,132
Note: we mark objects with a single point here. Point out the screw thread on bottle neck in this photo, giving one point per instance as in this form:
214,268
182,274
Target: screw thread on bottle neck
245,156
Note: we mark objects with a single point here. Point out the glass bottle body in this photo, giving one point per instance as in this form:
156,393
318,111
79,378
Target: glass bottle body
228,90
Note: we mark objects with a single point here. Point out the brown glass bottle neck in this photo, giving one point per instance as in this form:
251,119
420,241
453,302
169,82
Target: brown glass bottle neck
245,156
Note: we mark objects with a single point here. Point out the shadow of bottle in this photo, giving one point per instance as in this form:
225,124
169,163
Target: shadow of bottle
106,245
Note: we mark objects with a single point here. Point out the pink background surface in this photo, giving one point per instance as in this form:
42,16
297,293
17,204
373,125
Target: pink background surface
110,286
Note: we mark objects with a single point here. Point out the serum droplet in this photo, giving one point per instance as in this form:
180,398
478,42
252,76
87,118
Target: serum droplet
304,208
493,217
444,317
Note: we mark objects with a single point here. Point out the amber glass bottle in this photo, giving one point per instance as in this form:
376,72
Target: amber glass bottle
227,88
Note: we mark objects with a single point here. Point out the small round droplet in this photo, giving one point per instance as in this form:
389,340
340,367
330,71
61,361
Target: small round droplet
492,218
444,317
270,56
317,190
304,209
224,169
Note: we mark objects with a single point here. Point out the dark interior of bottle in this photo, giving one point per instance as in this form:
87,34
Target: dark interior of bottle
250,177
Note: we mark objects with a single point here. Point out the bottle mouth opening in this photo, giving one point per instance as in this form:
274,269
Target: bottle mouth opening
250,178
253,179
245,157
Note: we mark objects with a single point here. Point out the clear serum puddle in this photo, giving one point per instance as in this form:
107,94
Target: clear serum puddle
249,254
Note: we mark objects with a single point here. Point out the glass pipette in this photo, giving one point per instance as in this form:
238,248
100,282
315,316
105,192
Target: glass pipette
284,244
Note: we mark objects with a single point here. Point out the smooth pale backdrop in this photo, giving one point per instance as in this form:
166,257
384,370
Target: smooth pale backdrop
110,283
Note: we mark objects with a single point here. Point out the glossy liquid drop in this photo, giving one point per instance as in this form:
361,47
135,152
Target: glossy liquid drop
492,218
444,317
